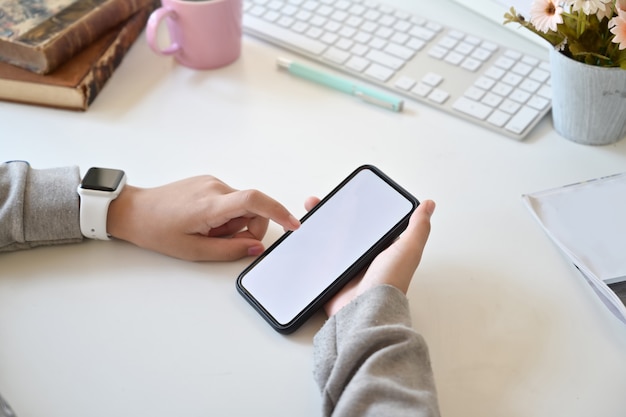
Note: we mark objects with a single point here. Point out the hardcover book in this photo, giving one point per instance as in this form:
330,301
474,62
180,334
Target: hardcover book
76,83
40,35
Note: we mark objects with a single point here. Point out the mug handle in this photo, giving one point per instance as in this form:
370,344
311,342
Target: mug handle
152,28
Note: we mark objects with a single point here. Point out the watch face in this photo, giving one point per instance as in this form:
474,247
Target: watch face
102,179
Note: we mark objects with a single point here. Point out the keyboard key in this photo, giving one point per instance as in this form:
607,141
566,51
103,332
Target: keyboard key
512,79
359,49
454,58
384,59
448,42
509,106
456,34
439,96
490,46
464,48
539,75
502,89
379,72
344,44
491,100
472,40
432,79
421,89
399,51
472,108
495,73
474,93
336,55
522,69
471,64
377,43
505,63
329,38
399,38
357,64
434,26
498,118
481,54
529,85
545,92
286,21
538,103
415,44
422,33
520,96
437,52
405,83
362,37
485,83
521,120
314,33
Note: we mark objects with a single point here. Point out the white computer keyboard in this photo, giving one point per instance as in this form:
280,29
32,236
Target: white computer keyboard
469,77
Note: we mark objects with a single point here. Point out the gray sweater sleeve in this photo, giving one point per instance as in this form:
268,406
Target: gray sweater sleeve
38,207
368,361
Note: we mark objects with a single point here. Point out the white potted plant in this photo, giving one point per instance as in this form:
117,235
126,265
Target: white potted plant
588,62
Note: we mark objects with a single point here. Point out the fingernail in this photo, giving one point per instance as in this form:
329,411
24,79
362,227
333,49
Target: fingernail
295,222
255,250
430,207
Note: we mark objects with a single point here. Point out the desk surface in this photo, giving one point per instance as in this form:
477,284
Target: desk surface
105,328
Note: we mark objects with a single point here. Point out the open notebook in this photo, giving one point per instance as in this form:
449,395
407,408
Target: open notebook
587,221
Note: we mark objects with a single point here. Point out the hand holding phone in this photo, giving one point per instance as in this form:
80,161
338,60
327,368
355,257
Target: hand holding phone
337,239
395,266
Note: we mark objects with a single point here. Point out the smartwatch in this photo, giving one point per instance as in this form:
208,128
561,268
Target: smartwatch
98,188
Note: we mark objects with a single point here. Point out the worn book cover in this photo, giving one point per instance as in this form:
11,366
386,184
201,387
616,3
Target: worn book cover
76,83
40,35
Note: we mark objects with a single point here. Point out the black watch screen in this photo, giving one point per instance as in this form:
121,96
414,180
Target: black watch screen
102,179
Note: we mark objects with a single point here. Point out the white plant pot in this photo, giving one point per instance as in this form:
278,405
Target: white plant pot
588,102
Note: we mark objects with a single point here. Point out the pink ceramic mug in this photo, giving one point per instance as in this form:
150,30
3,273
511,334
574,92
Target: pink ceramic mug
204,34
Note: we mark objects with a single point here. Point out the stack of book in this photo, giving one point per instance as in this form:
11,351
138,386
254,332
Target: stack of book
61,53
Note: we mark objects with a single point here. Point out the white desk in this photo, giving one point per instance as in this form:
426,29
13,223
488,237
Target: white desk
105,328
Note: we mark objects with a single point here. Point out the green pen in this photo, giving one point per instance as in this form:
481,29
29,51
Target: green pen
364,93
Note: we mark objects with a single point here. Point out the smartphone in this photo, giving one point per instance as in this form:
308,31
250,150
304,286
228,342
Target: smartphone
341,235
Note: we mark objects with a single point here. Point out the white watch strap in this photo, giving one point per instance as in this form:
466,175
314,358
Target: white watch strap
93,214
94,209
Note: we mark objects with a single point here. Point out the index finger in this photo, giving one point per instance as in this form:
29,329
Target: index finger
253,203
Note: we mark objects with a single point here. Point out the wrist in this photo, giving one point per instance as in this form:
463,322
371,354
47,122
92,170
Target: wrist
121,213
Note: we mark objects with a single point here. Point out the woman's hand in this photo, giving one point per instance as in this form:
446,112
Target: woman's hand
199,219
395,265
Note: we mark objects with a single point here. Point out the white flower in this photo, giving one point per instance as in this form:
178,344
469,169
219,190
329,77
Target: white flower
605,10
618,28
589,7
546,15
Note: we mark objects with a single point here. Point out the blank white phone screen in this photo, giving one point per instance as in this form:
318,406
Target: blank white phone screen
327,243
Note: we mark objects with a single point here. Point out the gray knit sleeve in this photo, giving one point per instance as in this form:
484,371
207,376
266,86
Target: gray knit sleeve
368,361
38,207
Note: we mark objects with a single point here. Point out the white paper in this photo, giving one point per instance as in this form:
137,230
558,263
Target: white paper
588,222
